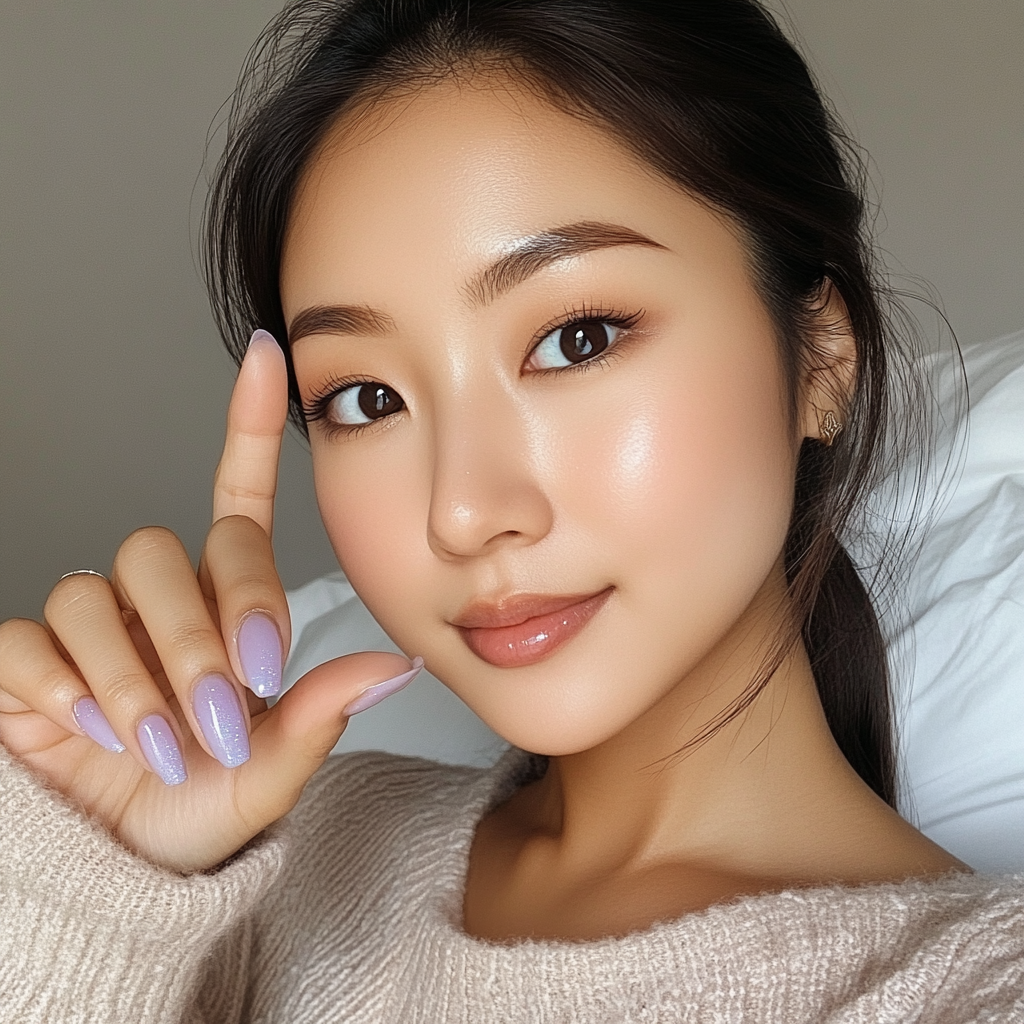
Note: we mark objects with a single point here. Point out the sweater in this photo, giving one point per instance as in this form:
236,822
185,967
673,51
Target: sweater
350,908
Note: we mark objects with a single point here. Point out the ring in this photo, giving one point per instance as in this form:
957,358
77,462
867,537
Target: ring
84,572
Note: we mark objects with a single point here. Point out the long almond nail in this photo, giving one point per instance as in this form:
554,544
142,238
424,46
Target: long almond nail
161,749
376,693
91,720
259,651
219,713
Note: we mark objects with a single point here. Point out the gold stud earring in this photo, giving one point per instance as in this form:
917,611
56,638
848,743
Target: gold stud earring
829,427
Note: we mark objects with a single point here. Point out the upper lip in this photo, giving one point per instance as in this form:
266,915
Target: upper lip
515,608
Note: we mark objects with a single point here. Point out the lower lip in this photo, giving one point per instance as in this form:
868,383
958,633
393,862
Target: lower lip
533,640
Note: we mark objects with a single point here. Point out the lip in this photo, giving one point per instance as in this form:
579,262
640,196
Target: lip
526,628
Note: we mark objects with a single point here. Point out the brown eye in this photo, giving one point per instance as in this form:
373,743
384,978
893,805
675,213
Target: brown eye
581,341
375,401
363,403
574,343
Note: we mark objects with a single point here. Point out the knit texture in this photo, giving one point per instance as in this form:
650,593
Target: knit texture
349,910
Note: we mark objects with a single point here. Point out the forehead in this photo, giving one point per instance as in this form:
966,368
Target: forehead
449,176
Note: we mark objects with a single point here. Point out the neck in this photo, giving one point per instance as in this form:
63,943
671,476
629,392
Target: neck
765,790
648,826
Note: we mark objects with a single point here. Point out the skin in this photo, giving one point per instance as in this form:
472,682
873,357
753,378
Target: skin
663,474
666,473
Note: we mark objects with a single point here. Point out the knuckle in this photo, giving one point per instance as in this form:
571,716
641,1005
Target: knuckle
251,585
17,634
228,529
145,544
192,636
59,687
72,591
125,689
233,487
240,557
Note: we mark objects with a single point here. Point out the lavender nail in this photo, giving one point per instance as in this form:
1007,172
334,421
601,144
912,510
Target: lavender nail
259,651
161,749
375,694
219,714
91,720
261,335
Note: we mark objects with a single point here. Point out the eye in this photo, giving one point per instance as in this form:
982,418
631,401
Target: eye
363,403
573,343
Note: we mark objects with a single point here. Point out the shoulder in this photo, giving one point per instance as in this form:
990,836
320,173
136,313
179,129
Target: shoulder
961,954
934,950
956,909
945,948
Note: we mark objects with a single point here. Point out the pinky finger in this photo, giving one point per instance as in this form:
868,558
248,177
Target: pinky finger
34,677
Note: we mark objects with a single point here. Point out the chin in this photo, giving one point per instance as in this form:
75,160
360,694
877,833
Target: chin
552,742
548,708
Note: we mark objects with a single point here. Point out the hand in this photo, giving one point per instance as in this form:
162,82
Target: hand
154,663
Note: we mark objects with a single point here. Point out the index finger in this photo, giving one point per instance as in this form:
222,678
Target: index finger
246,479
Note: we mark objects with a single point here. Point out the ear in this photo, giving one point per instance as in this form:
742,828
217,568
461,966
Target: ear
829,370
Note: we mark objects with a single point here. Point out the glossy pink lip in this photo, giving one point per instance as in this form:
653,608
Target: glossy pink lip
526,628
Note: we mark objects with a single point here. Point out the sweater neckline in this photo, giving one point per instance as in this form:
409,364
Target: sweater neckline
517,767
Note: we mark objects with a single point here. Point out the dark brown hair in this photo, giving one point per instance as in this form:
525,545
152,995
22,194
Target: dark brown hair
711,94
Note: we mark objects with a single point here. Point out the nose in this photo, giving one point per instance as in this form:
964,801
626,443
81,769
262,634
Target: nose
487,491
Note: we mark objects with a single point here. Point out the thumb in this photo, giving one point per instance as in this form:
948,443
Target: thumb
292,740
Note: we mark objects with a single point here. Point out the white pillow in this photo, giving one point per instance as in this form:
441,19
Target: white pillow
957,654
425,719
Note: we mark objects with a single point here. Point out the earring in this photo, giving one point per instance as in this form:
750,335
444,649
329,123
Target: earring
829,427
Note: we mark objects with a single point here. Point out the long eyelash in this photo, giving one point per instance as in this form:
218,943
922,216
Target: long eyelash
586,313
315,408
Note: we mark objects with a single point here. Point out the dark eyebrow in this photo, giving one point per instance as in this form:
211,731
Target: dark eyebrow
526,258
537,251
362,320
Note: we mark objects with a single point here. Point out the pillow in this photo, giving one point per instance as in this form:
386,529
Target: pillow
425,719
956,650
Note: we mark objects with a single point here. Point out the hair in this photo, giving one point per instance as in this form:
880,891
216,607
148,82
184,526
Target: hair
713,96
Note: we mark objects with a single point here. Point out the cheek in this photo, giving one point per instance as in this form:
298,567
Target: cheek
688,480
670,477
374,524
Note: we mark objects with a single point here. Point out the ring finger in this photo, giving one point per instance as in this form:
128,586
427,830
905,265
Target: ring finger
154,578
86,620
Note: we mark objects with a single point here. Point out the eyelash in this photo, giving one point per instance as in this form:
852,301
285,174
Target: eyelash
316,408
583,314
320,400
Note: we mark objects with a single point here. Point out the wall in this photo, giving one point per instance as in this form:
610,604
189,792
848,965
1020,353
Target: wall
112,382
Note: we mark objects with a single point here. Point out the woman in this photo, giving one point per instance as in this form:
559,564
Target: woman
579,316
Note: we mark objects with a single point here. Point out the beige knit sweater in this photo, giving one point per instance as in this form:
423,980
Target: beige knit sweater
349,911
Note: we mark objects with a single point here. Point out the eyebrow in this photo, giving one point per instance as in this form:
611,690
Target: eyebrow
527,257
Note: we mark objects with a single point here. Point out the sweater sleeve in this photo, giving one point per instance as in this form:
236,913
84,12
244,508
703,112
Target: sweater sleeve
91,932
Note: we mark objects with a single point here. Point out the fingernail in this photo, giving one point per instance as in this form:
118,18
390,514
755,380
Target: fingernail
259,651
161,750
219,714
261,335
376,693
91,720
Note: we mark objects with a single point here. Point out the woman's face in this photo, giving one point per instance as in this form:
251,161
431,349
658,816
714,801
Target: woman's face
552,384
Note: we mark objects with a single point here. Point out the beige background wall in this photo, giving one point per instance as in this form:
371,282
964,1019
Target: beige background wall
112,382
